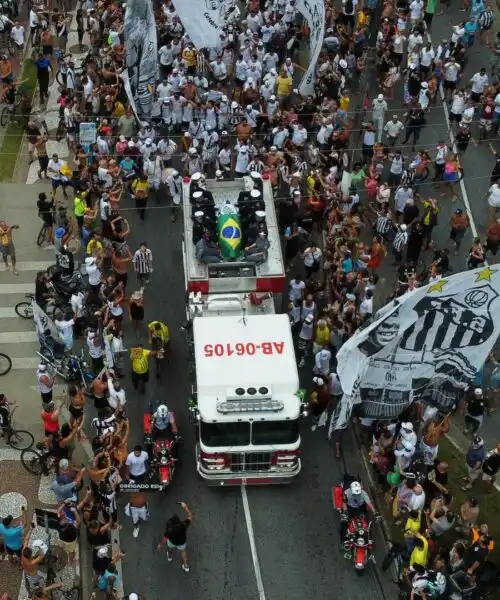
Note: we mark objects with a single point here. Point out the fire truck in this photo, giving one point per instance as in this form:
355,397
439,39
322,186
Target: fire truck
246,400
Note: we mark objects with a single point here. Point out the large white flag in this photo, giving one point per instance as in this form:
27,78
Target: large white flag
203,21
426,345
314,13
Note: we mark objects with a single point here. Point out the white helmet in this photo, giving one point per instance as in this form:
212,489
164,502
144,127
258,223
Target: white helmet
42,367
355,488
162,411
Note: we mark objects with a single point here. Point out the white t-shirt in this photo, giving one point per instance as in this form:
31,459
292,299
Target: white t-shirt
295,290
416,8
65,329
116,398
94,274
137,464
77,304
366,306
17,34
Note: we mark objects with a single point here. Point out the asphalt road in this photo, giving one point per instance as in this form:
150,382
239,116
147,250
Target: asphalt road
294,528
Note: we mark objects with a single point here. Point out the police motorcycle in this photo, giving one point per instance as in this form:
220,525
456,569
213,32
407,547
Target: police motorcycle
162,445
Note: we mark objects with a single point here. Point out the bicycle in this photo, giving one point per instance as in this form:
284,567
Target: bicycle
38,464
20,107
7,43
5,364
43,235
19,439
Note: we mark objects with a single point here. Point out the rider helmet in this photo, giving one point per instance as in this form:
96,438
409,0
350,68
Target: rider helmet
355,488
162,411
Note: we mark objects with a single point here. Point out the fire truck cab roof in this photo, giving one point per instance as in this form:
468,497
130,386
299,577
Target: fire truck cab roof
245,368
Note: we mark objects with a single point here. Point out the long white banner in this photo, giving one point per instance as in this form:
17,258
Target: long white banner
426,345
314,13
202,20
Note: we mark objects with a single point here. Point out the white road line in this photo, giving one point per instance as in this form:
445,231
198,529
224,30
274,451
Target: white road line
18,337
17,288
253,547
34,265
26,363
8,312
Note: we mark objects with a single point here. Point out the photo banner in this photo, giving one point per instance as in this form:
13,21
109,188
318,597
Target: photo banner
314,13
426,345
203,21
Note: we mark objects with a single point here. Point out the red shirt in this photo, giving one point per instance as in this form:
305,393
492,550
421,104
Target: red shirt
50,425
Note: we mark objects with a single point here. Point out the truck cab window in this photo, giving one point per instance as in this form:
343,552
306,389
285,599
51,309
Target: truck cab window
225,434
275,432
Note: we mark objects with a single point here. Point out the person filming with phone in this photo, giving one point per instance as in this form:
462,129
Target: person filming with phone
176,536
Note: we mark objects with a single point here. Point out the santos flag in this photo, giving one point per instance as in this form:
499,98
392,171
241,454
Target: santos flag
203,21
426,345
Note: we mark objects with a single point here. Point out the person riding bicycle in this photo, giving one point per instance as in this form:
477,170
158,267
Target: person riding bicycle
159,330
46,213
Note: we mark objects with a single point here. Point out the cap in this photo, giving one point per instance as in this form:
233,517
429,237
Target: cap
224,98
272,97
101,553
459,211
196,176
394,116
122,138
234,105
478,392
274,148
197,195
223,132
255,194
133,596
131,144
350,297
403,227
148,142
199,213
192,150
64,463
424,84
380,97
260,214
318,380
243,149
249,106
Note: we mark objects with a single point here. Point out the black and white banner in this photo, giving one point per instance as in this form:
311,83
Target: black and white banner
314,13
203,21
427,345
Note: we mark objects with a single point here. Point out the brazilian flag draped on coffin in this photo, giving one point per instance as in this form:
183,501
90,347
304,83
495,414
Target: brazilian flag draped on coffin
426,345
229,234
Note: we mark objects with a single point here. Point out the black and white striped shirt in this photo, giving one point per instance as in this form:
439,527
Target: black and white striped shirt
486,19
256,167
382,224
143,262
407,177
399,241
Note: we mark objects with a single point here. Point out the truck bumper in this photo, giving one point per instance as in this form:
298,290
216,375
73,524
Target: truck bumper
213,478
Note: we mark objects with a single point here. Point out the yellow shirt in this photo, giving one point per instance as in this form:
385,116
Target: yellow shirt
80,206
119,110
429,211
419,555
412,526
284,85
139,357
344,103
93,245
164,332
190,57
322,336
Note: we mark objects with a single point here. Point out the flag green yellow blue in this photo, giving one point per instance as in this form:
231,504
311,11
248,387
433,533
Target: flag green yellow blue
229,233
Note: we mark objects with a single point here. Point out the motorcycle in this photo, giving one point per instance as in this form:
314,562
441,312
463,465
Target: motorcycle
70,367
162,453
355,534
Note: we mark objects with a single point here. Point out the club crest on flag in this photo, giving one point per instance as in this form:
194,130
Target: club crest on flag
426,345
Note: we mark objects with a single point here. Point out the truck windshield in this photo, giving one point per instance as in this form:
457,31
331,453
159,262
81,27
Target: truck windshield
225,434
275,432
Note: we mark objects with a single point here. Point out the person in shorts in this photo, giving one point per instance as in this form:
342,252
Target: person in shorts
7,246
491,466
175,536
12,533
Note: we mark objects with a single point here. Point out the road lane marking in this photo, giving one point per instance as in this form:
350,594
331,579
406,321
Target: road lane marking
18,337
30,363
17,288
34,265
253,547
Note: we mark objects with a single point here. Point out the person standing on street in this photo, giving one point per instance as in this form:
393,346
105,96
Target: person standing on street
7,245
459,225
399,244
140,366
46,383
379,108
136,465
143,263
176,536
137,509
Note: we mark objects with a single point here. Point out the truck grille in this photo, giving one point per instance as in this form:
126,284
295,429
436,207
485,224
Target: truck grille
250,462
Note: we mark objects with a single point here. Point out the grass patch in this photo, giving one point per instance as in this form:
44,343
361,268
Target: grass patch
489,504
14,131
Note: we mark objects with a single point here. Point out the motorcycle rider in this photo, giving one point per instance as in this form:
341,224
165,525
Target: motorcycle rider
163,421
355,502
